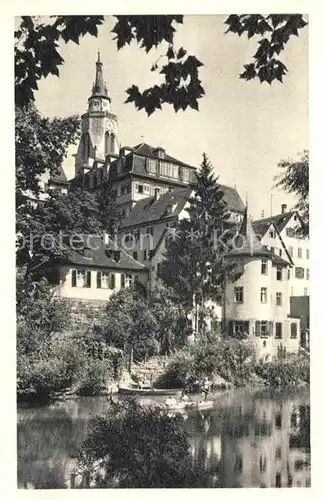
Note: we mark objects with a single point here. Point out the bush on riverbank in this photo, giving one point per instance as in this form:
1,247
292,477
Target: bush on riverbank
83,365
289,370
235,362
140,447
232,360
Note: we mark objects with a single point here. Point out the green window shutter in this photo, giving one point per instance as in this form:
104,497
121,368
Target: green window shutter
98,279
73,278
270,327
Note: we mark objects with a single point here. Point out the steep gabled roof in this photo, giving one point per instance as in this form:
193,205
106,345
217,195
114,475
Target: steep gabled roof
99,254
232,199
261,226
148,209
250,245
147,150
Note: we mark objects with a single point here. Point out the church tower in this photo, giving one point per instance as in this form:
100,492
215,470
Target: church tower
99,127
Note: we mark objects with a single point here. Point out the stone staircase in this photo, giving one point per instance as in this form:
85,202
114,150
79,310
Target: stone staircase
147,371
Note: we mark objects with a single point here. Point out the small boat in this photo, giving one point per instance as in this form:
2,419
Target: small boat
187,405
148,392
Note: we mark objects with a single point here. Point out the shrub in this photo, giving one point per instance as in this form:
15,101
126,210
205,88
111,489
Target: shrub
179,372
292,370
140,447
91,378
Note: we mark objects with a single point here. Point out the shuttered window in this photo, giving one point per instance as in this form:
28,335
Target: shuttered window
88,279
98,279
112,281
122,281
73,278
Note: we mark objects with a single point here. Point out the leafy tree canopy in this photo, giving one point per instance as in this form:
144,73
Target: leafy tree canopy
54,221
140,447
294,178
37,52
41,145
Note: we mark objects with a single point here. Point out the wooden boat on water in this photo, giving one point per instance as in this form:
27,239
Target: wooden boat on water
130,391
187,405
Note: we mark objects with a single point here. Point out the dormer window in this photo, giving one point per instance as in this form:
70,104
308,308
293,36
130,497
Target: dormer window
87,253
159,152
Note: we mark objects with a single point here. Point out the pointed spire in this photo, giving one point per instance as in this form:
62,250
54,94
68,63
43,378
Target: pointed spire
99,88
246,241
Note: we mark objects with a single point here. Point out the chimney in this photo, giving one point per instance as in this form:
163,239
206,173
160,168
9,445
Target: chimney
283,208
156,194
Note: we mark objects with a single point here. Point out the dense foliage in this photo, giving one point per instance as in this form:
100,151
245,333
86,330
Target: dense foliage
232,360
235,362
193,254
58,223
41,145
152,325
139,447
294,178
285,371
37,52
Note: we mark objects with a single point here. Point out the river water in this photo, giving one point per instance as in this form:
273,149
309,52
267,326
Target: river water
249,439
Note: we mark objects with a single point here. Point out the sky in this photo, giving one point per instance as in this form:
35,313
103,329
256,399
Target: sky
245,128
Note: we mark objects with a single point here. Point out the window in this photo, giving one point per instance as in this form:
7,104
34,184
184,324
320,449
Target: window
299,253
278,299
272,234
239,294
272,249
280,252
103,280
264,295
122,281
307,274
278,331
307,253
305,291
263,463
151,165
299,272
81,279
139,188
288,274
150,230
264,267
238,328
293,330
263,328
278,453
278,480
290,232
144,254
150,254
279,273
135,255
278,420
291,251
129,280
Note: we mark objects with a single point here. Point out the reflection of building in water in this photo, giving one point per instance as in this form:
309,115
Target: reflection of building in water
262,455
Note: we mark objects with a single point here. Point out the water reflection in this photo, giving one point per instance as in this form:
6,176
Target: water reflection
249,440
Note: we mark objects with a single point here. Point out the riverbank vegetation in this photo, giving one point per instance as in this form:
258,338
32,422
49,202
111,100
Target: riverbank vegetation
158,457
232,363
